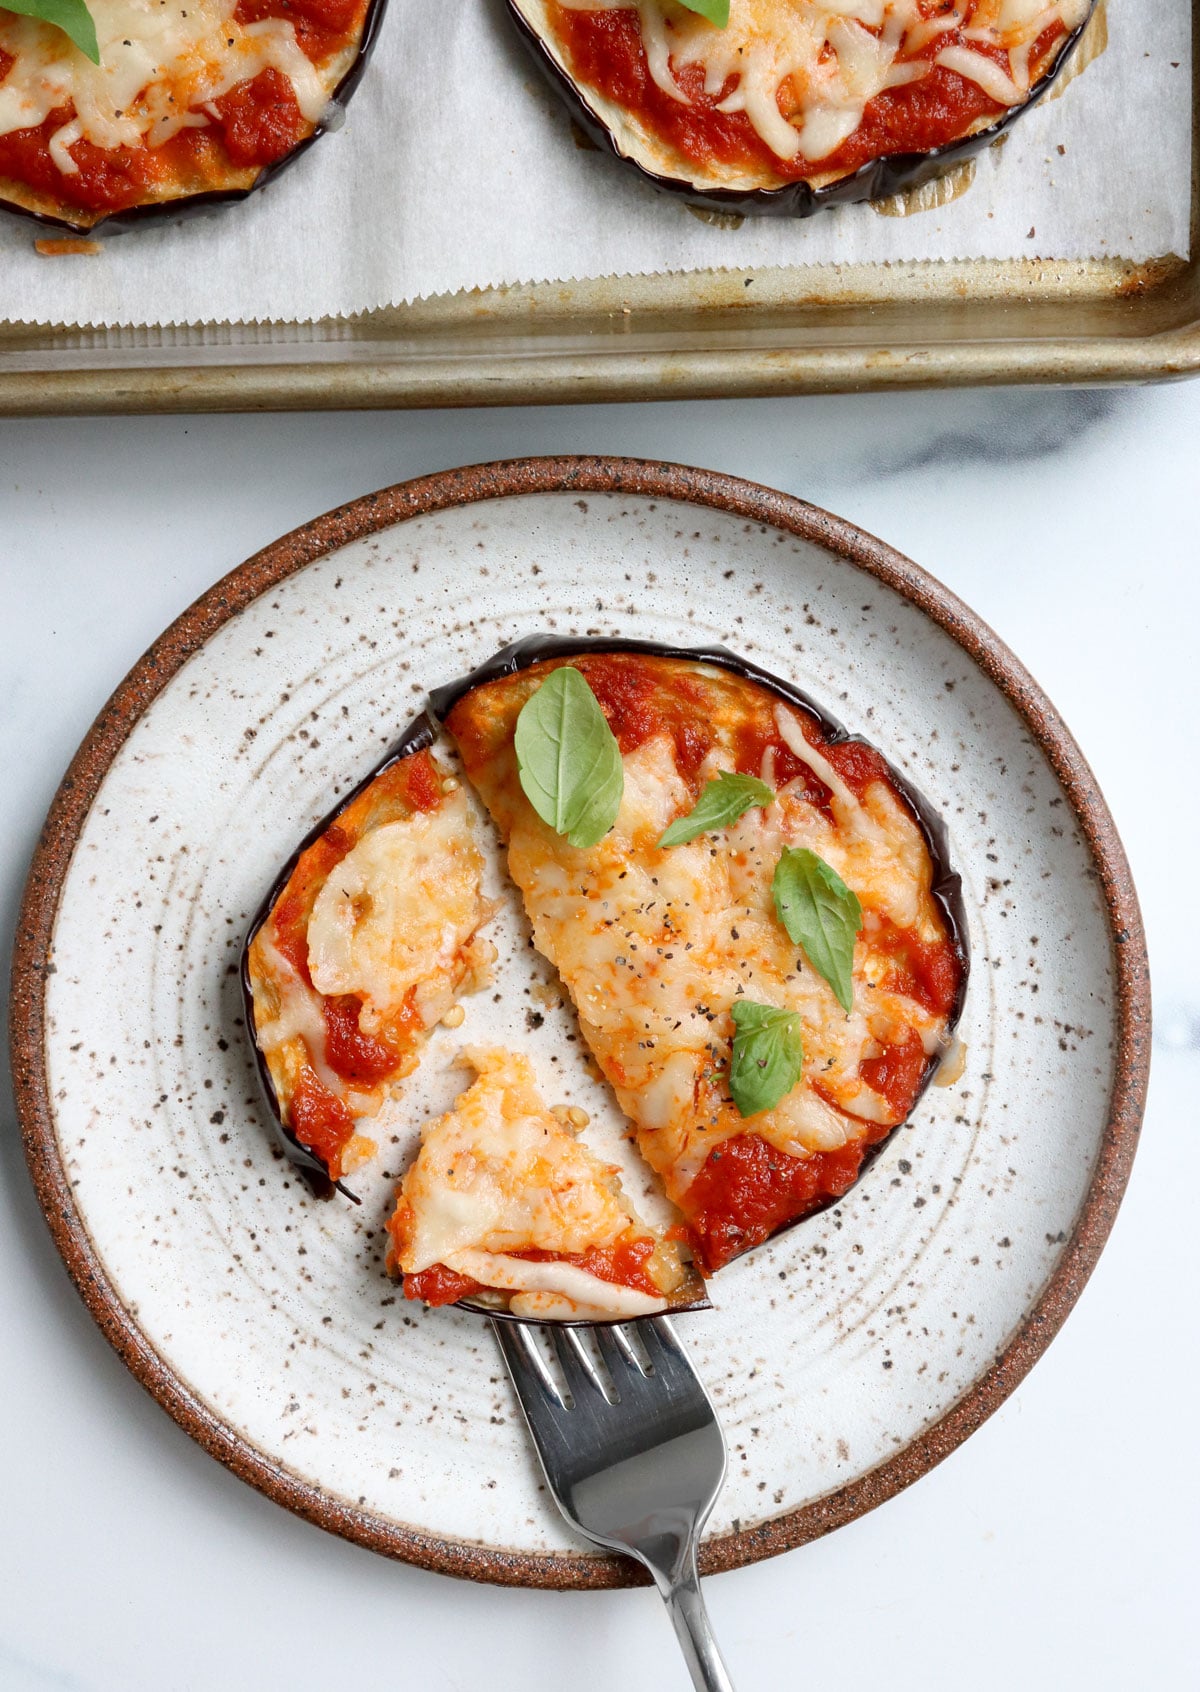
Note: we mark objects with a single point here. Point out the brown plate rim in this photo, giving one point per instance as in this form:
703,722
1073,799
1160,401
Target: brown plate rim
576,475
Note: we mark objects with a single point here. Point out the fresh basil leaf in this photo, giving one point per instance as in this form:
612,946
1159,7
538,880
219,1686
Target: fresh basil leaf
767,1057
568,758
716,11
71,16
821,914
722,802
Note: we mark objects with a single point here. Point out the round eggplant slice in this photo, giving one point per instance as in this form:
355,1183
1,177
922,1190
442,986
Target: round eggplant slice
752,188
206,192
421,733
544,1228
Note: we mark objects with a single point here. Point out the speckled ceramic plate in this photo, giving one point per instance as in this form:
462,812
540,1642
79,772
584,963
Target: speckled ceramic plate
847,1356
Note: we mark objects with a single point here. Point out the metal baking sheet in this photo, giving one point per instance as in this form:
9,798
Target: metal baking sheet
820,329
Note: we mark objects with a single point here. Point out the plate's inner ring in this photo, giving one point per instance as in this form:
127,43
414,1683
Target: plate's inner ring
835,1350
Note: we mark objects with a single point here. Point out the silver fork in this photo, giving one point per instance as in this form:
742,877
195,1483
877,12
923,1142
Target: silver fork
635,1465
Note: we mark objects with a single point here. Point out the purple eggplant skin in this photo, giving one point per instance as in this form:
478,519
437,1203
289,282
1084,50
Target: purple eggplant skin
893,173
214,201
521,655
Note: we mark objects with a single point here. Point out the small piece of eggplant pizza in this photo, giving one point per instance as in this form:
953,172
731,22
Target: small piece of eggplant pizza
110,109
752,913
790,105
507,1211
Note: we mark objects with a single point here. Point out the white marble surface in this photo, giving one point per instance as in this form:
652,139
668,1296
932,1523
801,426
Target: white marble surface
1059,1547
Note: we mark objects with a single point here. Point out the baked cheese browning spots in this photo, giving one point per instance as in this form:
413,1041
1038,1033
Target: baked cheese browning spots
365,950
190,96
655,945
504,1205
804,90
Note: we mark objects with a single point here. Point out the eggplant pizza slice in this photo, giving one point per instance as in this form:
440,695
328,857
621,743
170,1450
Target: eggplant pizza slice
761,948
506,1209
363,948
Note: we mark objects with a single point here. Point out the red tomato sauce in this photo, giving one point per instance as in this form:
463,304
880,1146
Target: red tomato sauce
322,27
604,51
928,971
638,706
746,1190
624,1265
260,121
320,1120
641,701
107,180
365,1059
259,124
754,739
417,779
438,1285
896,1074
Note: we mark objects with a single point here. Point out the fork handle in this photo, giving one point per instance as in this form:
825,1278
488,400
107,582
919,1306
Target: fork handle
679,1586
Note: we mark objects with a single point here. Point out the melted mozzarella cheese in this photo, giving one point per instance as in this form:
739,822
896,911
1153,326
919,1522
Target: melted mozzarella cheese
499,1174
822,61
655,946
872,843
161,61
299,1021
395,923
394,915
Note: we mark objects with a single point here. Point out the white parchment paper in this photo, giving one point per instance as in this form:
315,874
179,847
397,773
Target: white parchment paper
456,168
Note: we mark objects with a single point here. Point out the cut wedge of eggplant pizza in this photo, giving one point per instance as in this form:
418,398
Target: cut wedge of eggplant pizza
790,105
752,912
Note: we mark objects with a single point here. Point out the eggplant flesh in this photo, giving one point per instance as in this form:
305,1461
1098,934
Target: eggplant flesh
691,1296
423,731
18,201
607,124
